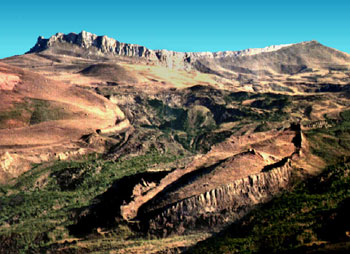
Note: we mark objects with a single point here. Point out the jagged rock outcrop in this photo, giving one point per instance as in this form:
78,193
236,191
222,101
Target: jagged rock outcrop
88,40
249,66
109,46
106,212
319,124
8,81
228,201
11,165
253,64
220,206
212,191
121,126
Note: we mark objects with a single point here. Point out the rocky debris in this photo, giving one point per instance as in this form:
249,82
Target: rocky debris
70,154
94,140
6,163
115,135
319,124
11,165
121,126
8,81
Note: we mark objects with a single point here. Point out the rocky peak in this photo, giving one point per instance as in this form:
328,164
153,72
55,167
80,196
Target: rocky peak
90,45
88,41
109,45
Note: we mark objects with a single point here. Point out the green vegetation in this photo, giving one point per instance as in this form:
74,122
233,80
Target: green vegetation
274,106
42,111
32,111
272,103
185,124
37,209
194,125
169,117
18,112
332,143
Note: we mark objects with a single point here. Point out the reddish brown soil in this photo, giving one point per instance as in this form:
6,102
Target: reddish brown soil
87,112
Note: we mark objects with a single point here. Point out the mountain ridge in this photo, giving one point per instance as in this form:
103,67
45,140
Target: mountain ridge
110,45
253,63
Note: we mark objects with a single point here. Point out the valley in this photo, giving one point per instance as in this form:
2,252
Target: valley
109,147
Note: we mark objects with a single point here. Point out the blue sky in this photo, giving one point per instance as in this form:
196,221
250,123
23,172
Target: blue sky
178,25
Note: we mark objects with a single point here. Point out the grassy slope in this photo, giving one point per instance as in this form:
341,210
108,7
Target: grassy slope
33,111
35,212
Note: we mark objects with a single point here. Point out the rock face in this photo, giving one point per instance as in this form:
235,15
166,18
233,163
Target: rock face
251,63
8,81
11,165
220,206
110,46
245,66
212,191
88,40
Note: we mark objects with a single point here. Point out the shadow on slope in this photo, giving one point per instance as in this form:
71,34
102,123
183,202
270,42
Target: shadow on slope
110,72
106,213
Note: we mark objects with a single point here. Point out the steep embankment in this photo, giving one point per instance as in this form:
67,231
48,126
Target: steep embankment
223,193
220,206
313,218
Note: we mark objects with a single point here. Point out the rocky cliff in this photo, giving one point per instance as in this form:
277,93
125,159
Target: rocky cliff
253,64
89,41
103,45
109,45
228,201
220,206
212,191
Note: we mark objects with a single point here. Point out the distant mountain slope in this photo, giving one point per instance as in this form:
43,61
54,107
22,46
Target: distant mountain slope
287,60
106,45
280,59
